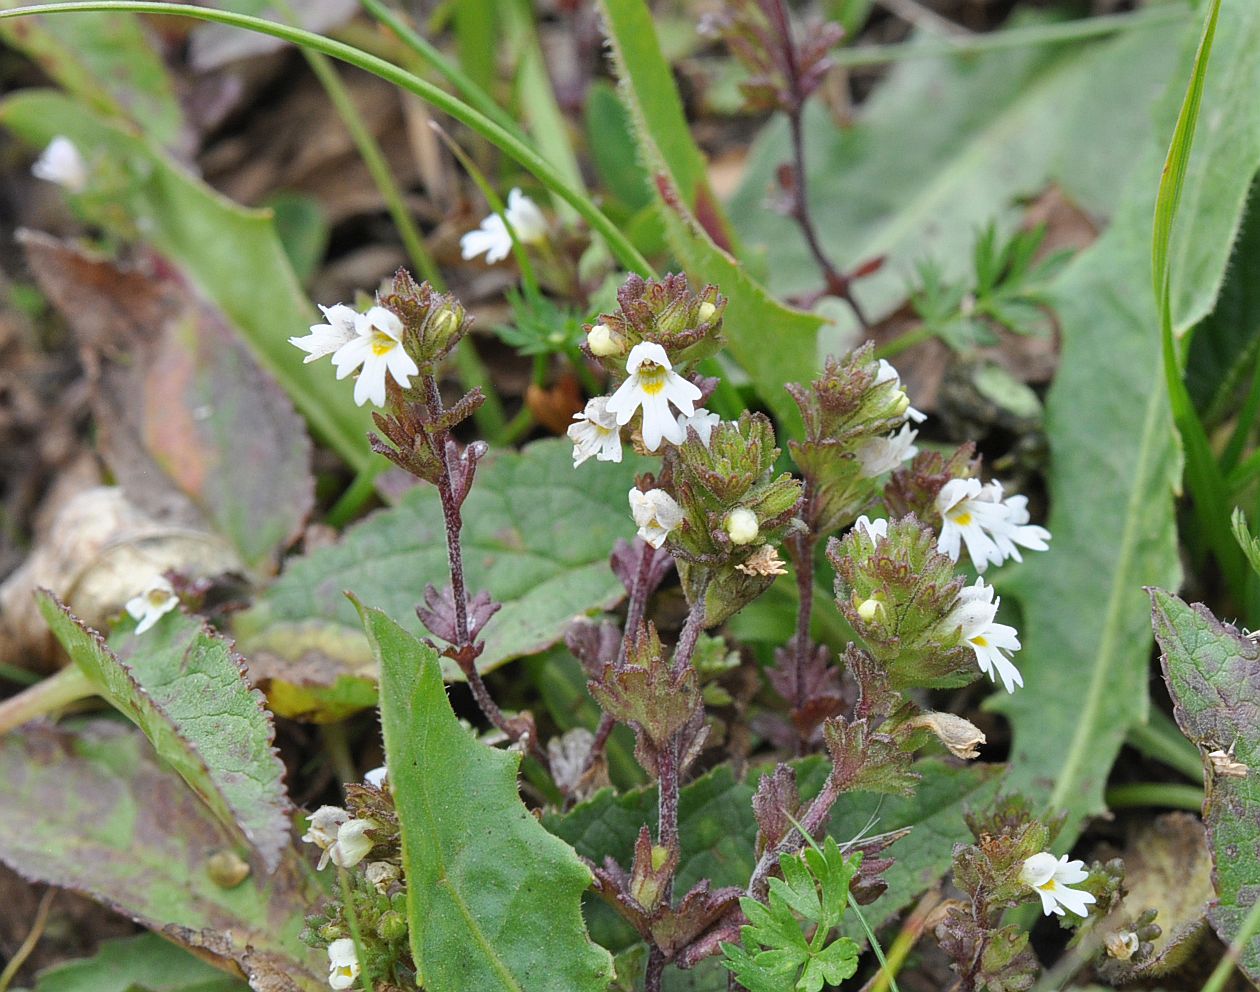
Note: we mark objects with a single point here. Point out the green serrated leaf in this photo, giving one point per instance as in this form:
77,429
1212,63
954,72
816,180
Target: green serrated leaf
182,685
1213,676
835,963
146,963
1250,545
494,900
1086,647
537,535
231,253
717,829
107,60
89,808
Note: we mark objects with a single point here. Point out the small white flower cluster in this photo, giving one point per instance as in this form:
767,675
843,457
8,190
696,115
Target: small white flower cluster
974,614
656,513
157,599
992,528
494,240
343,839
883,454
1050,877
652,386
372,340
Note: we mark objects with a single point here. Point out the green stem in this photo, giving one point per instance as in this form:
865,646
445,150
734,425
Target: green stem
47,696
19,676
472,93
1229,960
1160,795
370,151
337,747
1160,739
490,417
1044,34
486,126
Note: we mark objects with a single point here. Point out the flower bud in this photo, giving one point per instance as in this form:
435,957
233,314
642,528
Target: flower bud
705,312
741,526
392,927
871,608
603,341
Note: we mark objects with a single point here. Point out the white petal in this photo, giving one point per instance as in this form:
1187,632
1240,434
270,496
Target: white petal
370,385
648,351
526,219
625,401
351,355
682,394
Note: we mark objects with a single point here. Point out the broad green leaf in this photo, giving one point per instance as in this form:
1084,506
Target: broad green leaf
146,963
537,535
1213,676
182,685
494,900
231,253
946,145
184,412
1086,646
107,60
90,809
609,131
717,830
774,343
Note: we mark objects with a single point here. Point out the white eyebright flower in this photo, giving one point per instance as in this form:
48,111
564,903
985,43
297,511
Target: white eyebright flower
595,433
1050,877
325,339
352,844
150,606
883,454
655,514
653,385
702,422
492,238
377,346
322,827
991,528
875,530
993,643
887,373
343,963
62,164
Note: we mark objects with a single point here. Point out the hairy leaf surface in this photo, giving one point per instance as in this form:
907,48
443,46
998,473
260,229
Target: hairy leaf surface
1213,676
91,809
182,685
494,900
537,534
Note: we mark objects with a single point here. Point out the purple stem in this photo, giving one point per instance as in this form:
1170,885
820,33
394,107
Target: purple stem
814,818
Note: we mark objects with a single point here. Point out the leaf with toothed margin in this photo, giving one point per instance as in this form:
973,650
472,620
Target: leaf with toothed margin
494,900
1213,676
182,685
86,806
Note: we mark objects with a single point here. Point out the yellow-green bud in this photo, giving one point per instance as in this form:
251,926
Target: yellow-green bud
901,403
392,927
706,312
869,609
660,855
741,526
603,342
444,322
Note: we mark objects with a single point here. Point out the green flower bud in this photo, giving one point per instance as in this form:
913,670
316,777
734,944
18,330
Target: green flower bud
392,927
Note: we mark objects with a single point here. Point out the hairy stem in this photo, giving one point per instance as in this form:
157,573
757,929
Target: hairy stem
814,818
655,969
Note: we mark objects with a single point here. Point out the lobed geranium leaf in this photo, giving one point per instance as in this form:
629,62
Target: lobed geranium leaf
536,536
231,253
494,900
146,963
182,685
1213,676
718,831
89,808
